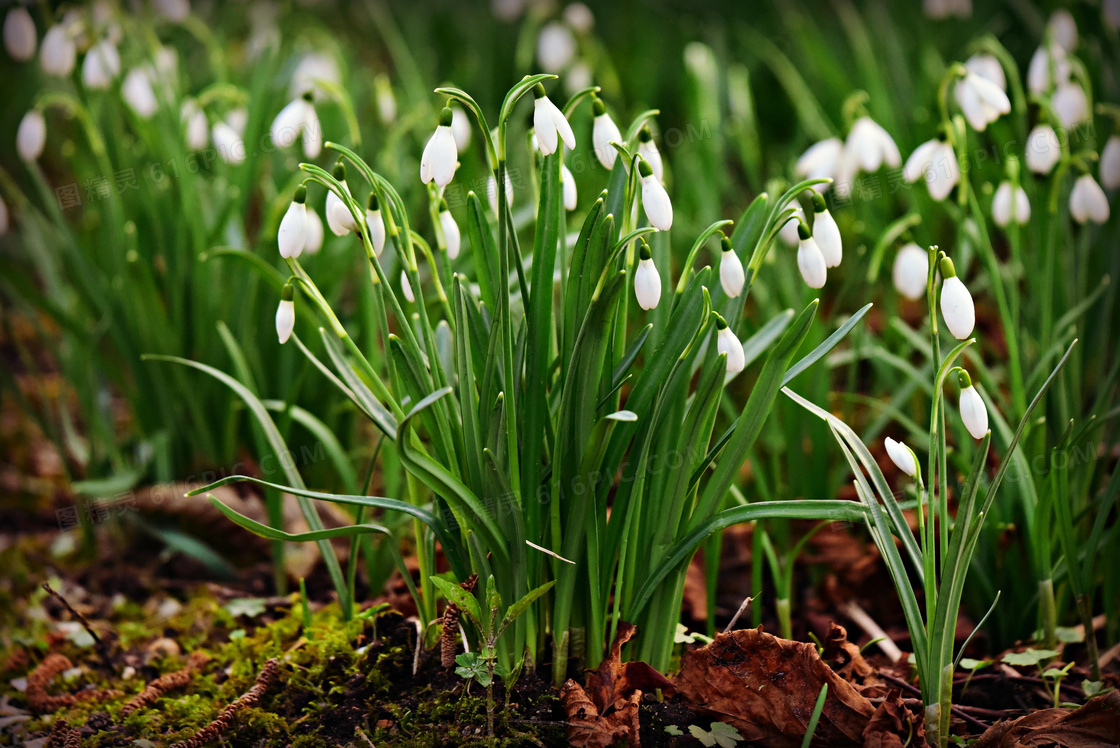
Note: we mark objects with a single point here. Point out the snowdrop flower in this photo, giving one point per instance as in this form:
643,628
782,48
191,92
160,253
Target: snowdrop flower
1063,29
228,142
1002,205
647,281
101,65
313,233
313,67
731,275
788,232
1043,149
1070,104
31,136
981,100
603,131
647,149
555,47
911,271
655,199
376,224
810,260
727,343
440,154
550,124
297,117
492,192
820,161
5,220
1087,201
286,314
59,53
578,77
1039,79
406,288
973,411
175,11
902,456
387,102
1110,164
987,66
460,129
956,302
938,9
339,218
451,235
826,233
292,236
237,119
579,17
194,122
138,92
20,36
936,163
568,182
869,146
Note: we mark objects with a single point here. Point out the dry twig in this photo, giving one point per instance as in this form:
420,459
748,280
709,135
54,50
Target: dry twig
248,699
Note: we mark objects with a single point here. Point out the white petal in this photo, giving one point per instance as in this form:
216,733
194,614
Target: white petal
440,157
990,93
919,160
1109,168
288,122
1043,149
827,235
59,53
31,136
1001,205
944,173
451,233
312,134
1064,29
957,308
726,342
339,218
820,160
137,91
20,36
602,133
811,263
406,287
228,142
901,456
313,67
788,232
911,271
313,233
563,127
292,235
647,284
973,412
1070,104
1039,80
1022,207
101,64
285,320
655,200
460,129
731,274
238,119
376,223
649,152
987,66
569,183
1087,201
544,127
194,121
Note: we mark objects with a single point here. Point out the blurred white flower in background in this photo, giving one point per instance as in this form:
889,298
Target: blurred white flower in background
386,100
101,65
556,47
31,136
936,163
1070,104
195,125
492,192
1110,163
981,100
312,67
867,148
20,36
1087,201
579,17
59,52
5,219
298,117
228,142
314,232
568,181
1045,60
1003,203
460,128
788,231
939,9
820,161
987,67
175,11
1063,29
1043,149
911,271
451,234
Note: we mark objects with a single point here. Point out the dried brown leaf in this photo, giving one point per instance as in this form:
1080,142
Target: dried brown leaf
893,725
853,668
1094,725
587,728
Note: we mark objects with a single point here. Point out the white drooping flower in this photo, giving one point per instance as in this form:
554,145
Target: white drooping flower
867,148
460,129
603,131
1063,29
440,154
451,235
568,182
935,162
578,77
375,222
195,125
647,281
647,149
228,142
339,218
821,161
31,136
555,47
1048,68
550,124
20,36
731,274
101,65
1008,200
727,343
298,117
292,235
1070,103
1109,168
238,119
973,411
1043,149
655,199
788,232
406,288
826,233
59,53
1087,201
911,271
175,11
987,66
312,68
579,17
387,101
492,192
901,456
285,319
956,303
981,100
810,259
314,232
138,92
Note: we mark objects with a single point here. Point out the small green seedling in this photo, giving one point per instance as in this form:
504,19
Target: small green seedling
472,666
1057,675
972,666
673,730
719,734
